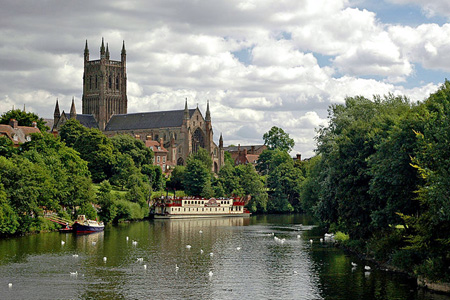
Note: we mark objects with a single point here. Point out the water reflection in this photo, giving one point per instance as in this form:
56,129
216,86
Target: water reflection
247,261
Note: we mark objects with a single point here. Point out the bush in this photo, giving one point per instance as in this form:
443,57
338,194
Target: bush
405,259
341,237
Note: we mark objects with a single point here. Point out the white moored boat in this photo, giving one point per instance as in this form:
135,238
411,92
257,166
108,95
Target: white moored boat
194,207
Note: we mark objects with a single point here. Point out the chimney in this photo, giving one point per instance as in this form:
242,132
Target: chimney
13,123
245,151
253,150
34,124
299,157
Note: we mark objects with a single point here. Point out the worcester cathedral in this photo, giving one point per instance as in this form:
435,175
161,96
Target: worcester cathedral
104,106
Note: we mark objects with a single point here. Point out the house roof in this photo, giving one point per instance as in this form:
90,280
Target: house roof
158,119
21,132
155,146
235,148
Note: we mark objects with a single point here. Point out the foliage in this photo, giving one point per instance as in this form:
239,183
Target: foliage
154,175
93,146
106,200
176,178
134,148
196,178
24,119
341,237
6,146
276,138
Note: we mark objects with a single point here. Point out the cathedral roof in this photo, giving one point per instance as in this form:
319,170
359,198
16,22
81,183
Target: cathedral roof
147,120
86,120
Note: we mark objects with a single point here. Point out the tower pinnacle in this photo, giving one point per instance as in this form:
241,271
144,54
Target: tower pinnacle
102,50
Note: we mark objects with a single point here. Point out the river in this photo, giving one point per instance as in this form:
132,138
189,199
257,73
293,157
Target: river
262,257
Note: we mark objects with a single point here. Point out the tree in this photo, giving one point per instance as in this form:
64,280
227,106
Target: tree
24,119
196,178
93,146
105,198
276,138
176,178
71,184
346,146
135,148
252,185
6,146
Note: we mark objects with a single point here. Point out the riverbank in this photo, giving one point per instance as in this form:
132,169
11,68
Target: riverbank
424,283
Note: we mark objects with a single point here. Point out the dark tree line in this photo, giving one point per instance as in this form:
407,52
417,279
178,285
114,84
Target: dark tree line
382,176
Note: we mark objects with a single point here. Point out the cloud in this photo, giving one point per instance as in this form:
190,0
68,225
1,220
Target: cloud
429,7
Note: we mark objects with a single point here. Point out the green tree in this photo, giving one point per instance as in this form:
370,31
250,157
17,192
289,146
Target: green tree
276,138
196,178
346,146
106,200
93,146
176,178
24,119
135,148
6,146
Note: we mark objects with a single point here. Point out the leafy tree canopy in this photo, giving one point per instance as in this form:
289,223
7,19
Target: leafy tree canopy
24,119
276,138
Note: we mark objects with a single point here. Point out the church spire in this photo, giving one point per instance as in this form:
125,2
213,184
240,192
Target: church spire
73,112
107,51
221,141
86,51
102,50
208,114
186,111
123,54
56,114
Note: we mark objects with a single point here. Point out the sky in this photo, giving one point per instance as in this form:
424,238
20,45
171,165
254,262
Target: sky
260,63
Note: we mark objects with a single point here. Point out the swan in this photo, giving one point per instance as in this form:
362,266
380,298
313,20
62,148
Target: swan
145,267
321,240
238,248
367,268
200,231
201,251
176,267
104,258
188,246
210,273
62,242
311,241
140,259
127,239
75,255
10,285
211,254
354,264
74,273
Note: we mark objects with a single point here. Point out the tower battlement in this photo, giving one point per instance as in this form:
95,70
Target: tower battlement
104,85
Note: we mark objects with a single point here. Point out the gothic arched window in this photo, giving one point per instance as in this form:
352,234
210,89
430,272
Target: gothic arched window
110,82
117,82
180,162
198,140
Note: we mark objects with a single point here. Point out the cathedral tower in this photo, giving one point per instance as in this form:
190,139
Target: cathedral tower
104,85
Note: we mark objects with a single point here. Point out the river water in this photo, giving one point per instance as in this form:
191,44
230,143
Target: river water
228,258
